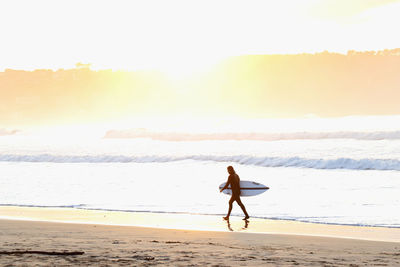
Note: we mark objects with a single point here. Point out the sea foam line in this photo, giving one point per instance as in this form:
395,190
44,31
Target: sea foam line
336,163
257,136
314,219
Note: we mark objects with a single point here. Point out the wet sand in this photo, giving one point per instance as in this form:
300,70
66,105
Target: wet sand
190,240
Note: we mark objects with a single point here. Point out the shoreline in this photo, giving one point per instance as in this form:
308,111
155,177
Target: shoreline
213,223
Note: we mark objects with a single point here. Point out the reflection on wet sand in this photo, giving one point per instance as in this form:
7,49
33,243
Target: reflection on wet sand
246,225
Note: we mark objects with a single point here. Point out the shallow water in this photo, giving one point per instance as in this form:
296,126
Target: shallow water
338,181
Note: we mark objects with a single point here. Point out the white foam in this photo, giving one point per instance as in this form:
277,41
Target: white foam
259,136
336,163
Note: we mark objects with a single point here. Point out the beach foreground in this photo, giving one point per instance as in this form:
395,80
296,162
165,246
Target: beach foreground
144,246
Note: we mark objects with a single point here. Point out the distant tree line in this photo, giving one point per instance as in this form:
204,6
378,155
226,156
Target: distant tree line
324,84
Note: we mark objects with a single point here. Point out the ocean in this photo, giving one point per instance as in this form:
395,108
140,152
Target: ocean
333,171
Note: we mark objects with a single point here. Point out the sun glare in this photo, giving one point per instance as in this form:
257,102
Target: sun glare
177,31
187,67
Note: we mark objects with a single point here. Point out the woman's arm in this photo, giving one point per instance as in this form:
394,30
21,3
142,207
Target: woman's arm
228,182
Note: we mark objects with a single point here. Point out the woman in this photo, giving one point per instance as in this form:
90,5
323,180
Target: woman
234,182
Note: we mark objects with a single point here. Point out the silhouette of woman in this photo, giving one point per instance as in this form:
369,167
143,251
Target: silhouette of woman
234,182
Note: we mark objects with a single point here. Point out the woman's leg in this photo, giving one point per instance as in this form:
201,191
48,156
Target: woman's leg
230,206
242,207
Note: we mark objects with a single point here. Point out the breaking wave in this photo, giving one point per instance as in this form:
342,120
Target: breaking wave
172,136
299,162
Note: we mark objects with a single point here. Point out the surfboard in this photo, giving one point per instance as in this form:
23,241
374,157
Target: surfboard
247,189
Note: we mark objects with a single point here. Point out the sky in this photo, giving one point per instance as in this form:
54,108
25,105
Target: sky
191,45
178,36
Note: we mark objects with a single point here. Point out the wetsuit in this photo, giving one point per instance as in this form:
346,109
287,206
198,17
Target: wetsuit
234,182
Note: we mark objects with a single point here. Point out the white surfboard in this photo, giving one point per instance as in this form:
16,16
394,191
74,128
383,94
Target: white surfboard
247,189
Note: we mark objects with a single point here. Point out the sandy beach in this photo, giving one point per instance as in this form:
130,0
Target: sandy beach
100,238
